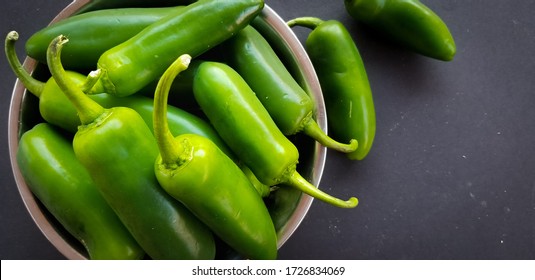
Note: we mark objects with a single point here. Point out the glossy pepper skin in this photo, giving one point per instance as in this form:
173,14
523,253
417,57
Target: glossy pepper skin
114,4
409,23
179,122
93,33
54,106
197,173
57,109
131,65
344,83
118,150
47,162
247,128
250,54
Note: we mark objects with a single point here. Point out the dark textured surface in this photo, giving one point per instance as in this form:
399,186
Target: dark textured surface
451,174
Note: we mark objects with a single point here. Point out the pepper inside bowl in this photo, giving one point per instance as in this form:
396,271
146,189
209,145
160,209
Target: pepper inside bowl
287,206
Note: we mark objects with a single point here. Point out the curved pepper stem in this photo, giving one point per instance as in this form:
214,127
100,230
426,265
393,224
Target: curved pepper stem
313,130
88,109
34,86
170,151
92,79
297,181
309,22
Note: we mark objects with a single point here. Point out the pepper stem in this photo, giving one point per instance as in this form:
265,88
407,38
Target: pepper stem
313,130
297,181
90,82
310,22
88,109
34,86
170,150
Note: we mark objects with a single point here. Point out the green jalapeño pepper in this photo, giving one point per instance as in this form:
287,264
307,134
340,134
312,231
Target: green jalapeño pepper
344,82
179,122
131,65
57,109
54,106
197,173
93,33
118,149
407,22
245,125
114,4
287,103
54,175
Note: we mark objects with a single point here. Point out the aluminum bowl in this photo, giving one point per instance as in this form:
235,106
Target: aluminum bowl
287,206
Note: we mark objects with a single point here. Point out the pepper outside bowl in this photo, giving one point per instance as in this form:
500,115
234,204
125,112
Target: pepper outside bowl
287,206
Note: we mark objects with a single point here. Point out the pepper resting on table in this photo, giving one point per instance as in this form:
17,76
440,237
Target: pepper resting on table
344,82
407,22
118,150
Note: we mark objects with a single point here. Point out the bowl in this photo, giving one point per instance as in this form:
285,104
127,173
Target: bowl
287,206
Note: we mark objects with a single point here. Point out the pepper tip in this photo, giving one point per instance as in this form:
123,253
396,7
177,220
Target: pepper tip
185,59
352,202
62,39
12,36
353,144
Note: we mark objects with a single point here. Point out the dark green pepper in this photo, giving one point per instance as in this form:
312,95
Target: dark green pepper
344,82
114,4
247,128
409,23
118,149
131,65
292,109
197,173
93,33
47,162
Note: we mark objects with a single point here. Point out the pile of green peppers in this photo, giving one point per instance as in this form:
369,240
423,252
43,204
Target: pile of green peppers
132,176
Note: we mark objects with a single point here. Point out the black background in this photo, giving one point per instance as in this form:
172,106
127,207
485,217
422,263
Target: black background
451,174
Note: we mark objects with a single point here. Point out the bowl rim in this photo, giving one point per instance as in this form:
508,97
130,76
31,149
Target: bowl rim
296,51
